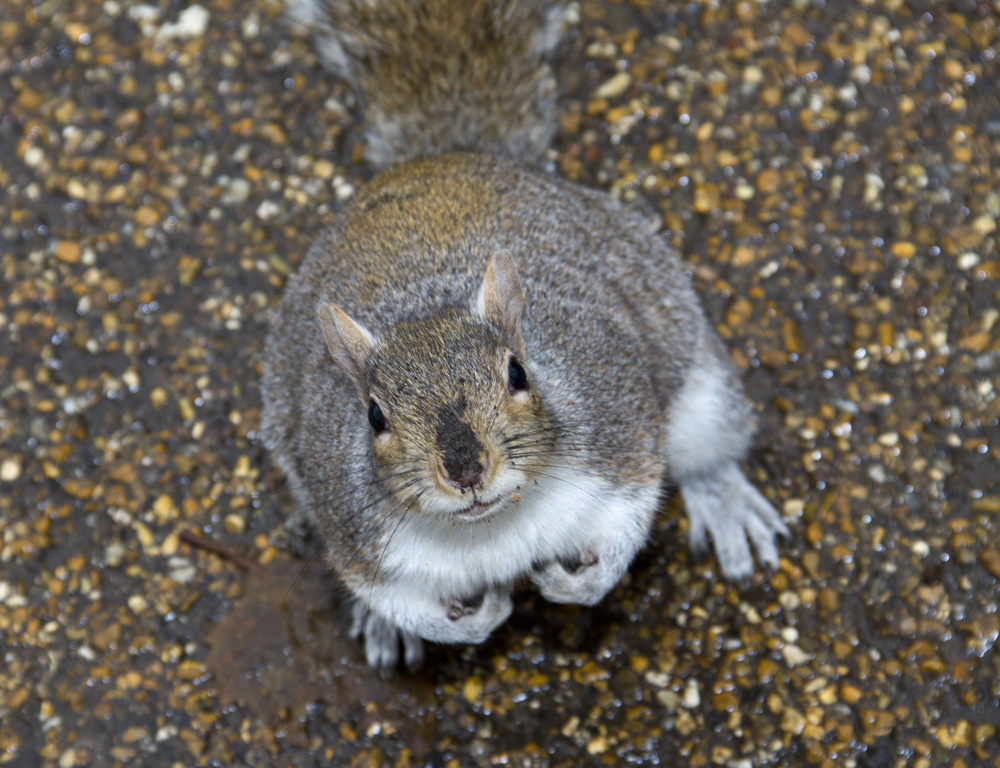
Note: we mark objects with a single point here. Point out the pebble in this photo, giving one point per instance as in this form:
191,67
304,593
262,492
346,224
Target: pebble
856,299
191,22
10,470
615,86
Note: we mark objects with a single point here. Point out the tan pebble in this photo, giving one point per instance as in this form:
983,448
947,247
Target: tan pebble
792,721
324,169
753,75
29,99
903,250
235,524
814,732
190,670
10,470
987,504
115,194
991,561
472,689
186,408
768,180
130,680
613,87
164,508
829,600
743,255
963,733
810,562
68,252
158,397
814,533
134,734
170,544
771,96
953,69
274,133
146,216
67,759
267,556
706,198
984,733
145,535
984,225
850,694
597,745
137,603
76,189
569,728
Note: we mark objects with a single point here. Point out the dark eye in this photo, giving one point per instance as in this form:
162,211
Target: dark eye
375,417
517,379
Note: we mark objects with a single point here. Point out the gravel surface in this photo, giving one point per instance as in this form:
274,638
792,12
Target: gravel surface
830,169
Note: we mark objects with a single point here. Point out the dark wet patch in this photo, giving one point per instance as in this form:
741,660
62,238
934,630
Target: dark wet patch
285,647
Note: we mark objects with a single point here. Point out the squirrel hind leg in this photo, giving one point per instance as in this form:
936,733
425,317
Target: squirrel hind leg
709,432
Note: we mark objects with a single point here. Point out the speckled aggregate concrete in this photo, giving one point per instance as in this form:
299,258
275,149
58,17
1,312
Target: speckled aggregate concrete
831,170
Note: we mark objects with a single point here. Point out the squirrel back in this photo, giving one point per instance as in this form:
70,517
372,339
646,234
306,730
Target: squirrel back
444,75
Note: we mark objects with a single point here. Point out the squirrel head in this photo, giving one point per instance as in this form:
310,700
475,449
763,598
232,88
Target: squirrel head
456,422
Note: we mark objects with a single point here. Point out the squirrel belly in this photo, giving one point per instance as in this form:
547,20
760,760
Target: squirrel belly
481,375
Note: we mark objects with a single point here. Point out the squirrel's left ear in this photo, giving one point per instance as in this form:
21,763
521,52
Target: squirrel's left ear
500,300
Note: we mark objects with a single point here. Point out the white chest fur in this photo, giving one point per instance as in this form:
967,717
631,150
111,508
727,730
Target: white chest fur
557,517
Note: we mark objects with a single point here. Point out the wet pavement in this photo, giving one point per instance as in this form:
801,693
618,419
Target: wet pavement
831,170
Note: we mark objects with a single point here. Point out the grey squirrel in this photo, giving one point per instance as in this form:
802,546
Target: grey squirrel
483,376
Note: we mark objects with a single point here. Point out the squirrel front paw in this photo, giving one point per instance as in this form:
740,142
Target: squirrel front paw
727,507
472,620
382,641
583,581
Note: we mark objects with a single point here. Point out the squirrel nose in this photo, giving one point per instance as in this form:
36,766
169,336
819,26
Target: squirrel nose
469,477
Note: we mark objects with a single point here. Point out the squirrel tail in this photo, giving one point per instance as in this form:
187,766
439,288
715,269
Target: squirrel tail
444,75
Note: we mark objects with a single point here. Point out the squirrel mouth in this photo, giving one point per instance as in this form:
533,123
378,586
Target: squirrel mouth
478,508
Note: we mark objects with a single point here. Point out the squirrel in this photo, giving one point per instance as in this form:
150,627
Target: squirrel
482,375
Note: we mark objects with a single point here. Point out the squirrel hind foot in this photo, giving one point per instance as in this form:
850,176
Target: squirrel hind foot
724,505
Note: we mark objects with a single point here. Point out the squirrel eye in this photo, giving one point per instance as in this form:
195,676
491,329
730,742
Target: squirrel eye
375,417
517,379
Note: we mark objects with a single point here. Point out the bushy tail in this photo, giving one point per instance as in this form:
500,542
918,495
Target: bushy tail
443,75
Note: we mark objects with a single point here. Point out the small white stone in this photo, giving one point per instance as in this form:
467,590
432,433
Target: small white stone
267,210
692,696
33,156
790,635
658,679
192,22
920,548
10,470
967,260
794,655
753,75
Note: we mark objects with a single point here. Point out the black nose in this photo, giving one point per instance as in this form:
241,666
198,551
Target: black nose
461,452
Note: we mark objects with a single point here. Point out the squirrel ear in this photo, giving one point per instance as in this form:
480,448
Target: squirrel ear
500,299
350,343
